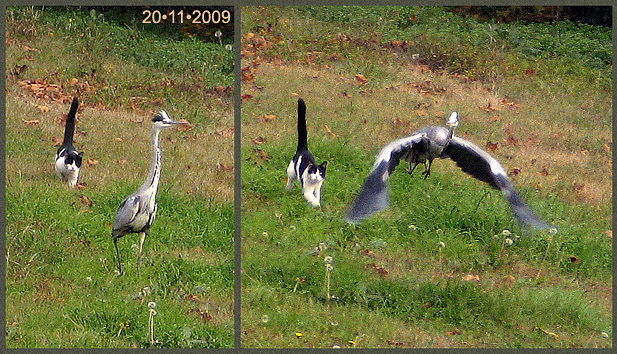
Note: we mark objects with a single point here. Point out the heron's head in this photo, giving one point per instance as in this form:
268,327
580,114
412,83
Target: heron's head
161,120
452,120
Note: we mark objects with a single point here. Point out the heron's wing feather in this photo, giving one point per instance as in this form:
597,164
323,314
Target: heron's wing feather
373,196
127,211
482,166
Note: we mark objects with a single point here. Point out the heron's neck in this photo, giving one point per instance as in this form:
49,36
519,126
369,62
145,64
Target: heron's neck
451,131
152,181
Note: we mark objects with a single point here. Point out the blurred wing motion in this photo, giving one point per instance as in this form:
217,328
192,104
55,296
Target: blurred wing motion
374,194
482,166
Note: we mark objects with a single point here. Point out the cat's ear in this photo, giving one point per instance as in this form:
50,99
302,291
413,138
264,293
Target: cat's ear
323,165
81,154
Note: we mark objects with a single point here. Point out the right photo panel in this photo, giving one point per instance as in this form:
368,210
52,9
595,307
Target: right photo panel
426,177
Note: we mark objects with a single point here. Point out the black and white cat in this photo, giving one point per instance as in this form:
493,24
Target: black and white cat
68,160
303,166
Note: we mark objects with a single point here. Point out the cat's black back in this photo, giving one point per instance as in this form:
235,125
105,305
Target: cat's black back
71,155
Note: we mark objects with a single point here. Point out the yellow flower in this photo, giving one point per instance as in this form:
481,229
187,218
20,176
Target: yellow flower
299,334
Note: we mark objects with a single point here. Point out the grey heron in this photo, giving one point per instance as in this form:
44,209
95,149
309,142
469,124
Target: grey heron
425,145
137,211
68,160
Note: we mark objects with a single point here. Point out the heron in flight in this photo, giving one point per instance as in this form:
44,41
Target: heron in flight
137,211
424,146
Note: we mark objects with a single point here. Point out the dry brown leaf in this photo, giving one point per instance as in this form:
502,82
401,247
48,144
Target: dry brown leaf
91,162
85,200
361,79
609,233
259,140
471,277
267,118
225,168
31,122
491,146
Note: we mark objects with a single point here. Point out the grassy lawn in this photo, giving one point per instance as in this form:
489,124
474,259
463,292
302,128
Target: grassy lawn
61,284
435,269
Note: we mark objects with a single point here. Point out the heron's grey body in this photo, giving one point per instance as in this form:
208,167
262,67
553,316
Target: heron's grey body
423,146
137,211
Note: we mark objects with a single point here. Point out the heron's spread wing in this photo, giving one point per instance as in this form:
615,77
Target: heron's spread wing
374,193
482,166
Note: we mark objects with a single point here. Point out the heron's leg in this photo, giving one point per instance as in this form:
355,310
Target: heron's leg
427,169
142,238
411,168
118,256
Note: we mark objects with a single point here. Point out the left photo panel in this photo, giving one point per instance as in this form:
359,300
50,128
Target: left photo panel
119,177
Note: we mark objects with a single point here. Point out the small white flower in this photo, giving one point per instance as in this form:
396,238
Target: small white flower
89,279
292,228
604,335
218,34
265,318
329,267
322,246
152,304
412,227
229,47
441,244
509,242
506,232
439,232
328,260
264,234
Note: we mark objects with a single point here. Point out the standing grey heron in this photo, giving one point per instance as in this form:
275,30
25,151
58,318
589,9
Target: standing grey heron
137,211
423,146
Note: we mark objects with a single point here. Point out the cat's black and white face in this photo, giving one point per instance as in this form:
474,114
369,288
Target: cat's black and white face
315,173
68,163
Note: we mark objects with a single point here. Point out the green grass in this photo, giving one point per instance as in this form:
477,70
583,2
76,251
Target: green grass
393,285
62,290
